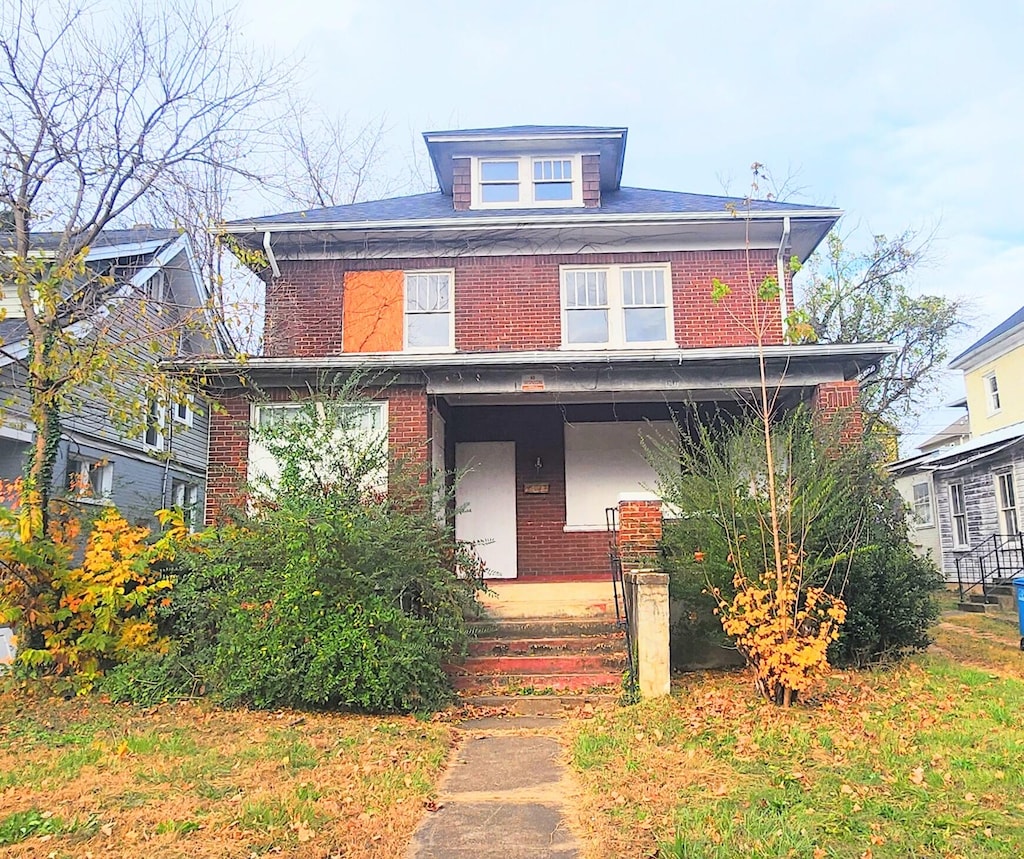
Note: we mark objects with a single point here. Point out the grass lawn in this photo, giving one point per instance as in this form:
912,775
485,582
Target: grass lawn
84,779
926,759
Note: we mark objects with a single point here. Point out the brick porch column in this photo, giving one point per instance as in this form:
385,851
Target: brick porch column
228,456
841,400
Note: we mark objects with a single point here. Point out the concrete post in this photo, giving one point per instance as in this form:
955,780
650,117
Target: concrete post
648,599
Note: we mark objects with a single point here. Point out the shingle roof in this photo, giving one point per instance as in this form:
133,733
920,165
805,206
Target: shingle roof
108,238
528,129
1002,328
435,205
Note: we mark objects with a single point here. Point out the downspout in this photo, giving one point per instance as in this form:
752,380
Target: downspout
780,264
273,259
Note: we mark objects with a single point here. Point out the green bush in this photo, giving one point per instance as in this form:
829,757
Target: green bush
854,526
326,592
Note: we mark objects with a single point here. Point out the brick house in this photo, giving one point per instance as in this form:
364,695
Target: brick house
539,321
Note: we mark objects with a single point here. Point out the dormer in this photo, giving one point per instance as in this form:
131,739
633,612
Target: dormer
527,167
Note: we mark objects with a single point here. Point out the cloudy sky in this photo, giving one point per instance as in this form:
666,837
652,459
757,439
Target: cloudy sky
904,114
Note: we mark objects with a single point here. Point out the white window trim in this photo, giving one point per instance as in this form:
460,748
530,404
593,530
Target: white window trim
81,465
992,393
526,195
1001,510
188,418
161,423
957,543
262,466
451,312
180,492
921,524
616,316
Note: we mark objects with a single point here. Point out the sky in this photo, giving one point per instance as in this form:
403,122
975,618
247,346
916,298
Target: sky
907,115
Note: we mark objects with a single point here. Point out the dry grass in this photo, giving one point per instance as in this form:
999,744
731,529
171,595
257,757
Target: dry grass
83,779
920,760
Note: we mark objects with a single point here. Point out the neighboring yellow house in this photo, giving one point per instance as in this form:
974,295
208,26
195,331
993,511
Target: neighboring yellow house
994,376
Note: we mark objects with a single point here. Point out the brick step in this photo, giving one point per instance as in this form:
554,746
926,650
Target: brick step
542,627
576,663
612,642
489,685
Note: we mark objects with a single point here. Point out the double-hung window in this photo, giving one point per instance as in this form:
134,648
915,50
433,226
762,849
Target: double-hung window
1006,495
528,181
89,478
992,393
185,496
183,412
617,307
429,310
958,511
153,435
922,505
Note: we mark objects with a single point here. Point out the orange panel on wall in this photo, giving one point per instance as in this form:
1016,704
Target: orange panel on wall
372,316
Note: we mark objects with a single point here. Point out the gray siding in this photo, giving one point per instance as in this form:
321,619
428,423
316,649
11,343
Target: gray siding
979,499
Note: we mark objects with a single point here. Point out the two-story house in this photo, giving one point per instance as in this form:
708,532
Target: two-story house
539,321
148,275
974,486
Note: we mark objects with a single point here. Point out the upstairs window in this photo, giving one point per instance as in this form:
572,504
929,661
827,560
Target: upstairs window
429,310
153,436
527,182
992,393
617,307
90,479
958,509
184,412
923,504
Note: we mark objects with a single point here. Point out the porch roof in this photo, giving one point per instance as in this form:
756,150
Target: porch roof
696,373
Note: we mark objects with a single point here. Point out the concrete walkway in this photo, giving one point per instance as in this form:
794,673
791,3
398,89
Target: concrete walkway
503,796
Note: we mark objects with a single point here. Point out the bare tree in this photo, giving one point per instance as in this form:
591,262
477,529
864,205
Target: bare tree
97,112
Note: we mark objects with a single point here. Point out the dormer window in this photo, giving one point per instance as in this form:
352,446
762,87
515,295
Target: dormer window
527,182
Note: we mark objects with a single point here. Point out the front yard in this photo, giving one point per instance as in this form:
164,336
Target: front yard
926,759
81,779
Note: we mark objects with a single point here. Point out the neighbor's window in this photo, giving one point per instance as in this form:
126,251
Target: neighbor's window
153,437
429,310
617,307
992,393
185,496
90,478
1006,494
183,412
923,504
961,536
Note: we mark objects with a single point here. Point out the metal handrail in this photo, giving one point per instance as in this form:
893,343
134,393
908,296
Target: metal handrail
974,569
611,517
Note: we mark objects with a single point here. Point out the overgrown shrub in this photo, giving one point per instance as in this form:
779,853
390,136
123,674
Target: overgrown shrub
326,591
855,543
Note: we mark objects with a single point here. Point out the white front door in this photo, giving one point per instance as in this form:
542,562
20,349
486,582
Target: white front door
486,497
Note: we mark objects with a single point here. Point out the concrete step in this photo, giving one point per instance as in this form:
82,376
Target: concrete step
599,643
982,599
496,684
542,627
574,663
975,607
525,599
541,705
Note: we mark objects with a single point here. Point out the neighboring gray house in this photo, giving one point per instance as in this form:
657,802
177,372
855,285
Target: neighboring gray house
974,487
154,273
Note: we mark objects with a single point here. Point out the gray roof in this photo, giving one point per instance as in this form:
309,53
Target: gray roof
141,234
435,205
1002,328
527,130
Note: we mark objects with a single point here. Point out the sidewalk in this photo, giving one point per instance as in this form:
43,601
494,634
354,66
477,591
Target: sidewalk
503,797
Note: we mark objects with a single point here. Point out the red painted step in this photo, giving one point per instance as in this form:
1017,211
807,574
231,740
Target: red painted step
608,643
574,663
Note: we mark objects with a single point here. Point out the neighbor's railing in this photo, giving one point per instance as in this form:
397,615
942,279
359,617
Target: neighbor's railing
993,562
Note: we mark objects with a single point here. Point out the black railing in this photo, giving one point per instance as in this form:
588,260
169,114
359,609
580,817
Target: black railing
611,517
992,563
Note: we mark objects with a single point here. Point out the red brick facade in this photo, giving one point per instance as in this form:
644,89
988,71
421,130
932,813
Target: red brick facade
640,528
841,399
513,302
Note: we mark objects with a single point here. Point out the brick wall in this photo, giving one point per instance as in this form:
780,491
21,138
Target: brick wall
229,451
640,527
229,440
841,400
512,302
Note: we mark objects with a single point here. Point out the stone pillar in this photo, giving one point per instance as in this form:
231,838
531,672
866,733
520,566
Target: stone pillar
645,591
648,623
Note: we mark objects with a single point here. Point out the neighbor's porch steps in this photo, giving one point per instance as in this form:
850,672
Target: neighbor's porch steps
1000,600
554,636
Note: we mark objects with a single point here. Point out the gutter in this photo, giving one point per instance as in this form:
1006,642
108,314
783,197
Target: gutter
270,254
780,265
